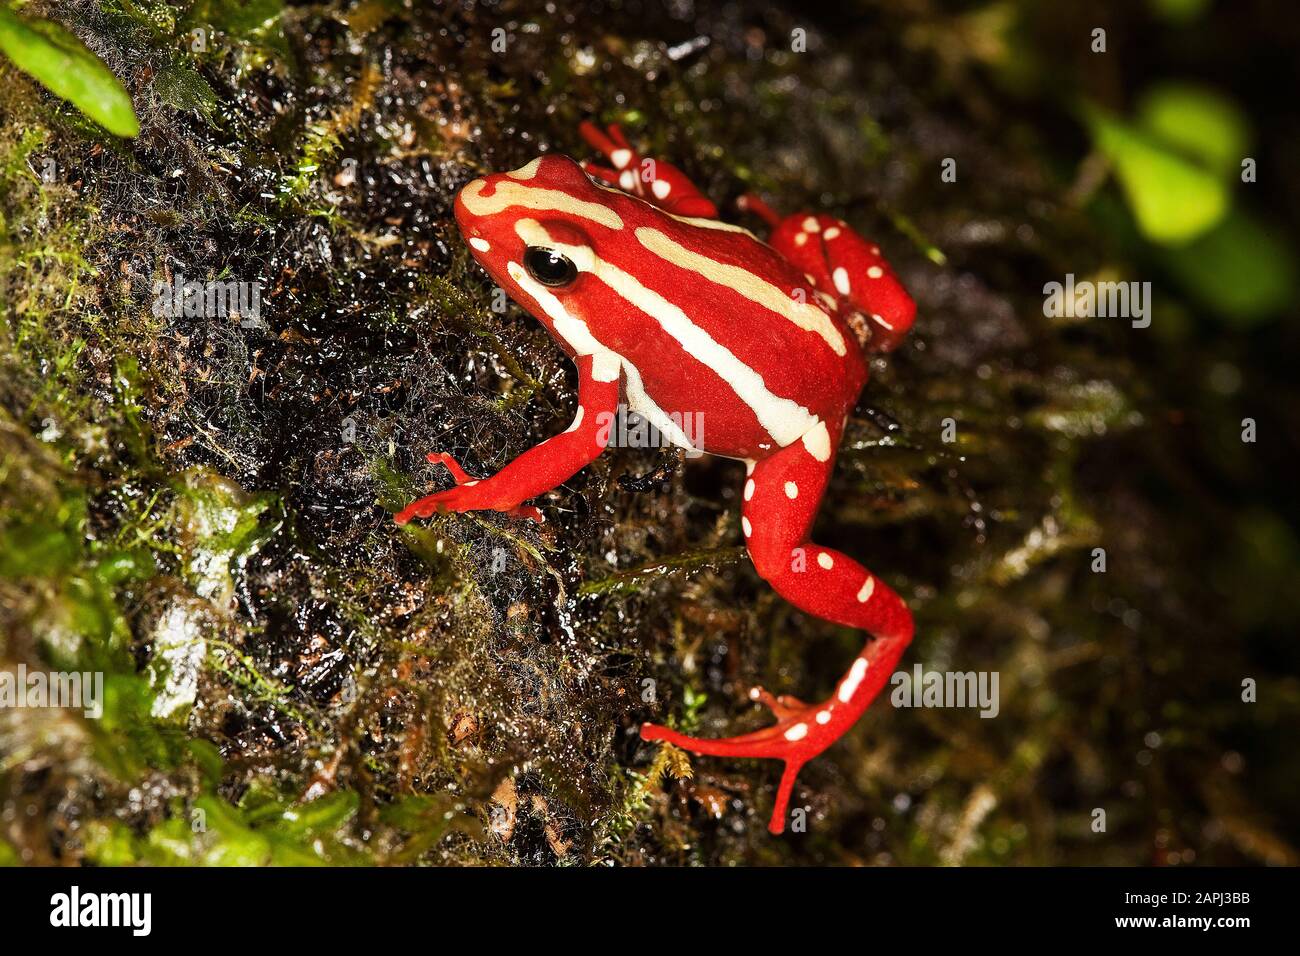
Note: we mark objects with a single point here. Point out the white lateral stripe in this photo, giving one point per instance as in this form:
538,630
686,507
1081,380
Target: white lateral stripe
573,331
783,419
717,224
803,314
640,402
511,193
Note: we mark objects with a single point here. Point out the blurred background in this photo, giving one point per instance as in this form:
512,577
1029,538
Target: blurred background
199,507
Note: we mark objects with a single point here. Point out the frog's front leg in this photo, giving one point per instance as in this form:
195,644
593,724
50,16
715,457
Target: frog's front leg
542,467
781,498
653,180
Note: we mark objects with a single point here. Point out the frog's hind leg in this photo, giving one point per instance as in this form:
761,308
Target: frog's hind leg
657,182
853,270
781,498
613,145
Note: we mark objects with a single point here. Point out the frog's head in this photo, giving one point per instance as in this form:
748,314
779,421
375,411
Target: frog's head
535,230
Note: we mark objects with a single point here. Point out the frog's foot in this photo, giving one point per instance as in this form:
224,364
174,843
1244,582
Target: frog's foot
800,733
613,145
781,707
844,265
657,182
463,497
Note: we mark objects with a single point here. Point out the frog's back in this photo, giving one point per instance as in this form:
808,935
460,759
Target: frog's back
717,323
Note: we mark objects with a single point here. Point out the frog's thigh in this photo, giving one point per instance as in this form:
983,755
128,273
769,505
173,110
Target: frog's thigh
781,497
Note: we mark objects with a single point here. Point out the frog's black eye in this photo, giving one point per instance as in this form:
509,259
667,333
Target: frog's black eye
549,267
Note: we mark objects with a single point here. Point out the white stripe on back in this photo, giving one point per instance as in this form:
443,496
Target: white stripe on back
783,419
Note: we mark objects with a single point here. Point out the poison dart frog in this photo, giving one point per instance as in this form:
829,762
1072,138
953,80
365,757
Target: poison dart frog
666,307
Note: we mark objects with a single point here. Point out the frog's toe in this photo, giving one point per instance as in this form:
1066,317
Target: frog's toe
458,474
781,741
603,173
782,707
421,508
527,513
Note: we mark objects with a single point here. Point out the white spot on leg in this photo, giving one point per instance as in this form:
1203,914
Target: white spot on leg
875,272
868,586
797,732
832,232
746,526
850,685
620,158
823,716
482,245
841,277
749,466
825,560
627,180
661,188
749,489
810,225
791,490
577,420
800,238
818,442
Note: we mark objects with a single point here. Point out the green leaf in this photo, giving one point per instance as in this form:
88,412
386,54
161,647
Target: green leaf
184,89
108,843
208,758
320,817
1198,122
1241,270
57,59
1173,198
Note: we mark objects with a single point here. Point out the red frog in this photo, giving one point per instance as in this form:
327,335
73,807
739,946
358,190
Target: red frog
662,305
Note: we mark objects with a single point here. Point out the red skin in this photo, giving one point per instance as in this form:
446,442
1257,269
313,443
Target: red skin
680,318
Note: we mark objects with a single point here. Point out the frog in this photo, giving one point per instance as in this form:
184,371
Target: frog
667,308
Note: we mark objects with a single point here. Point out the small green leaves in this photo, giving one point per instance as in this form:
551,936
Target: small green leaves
58,60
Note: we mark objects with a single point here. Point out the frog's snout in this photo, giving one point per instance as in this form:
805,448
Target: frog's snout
465,218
